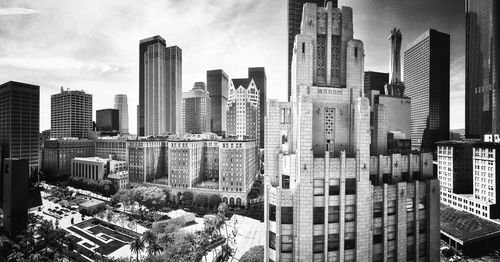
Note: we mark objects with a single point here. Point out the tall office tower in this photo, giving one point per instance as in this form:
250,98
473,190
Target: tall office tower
122,105
15,195
325,198
217,86
375,81
70,114
196,107
160,88
482,96
19,123
427,81
395,87
294,19
258,74
108,120
243,110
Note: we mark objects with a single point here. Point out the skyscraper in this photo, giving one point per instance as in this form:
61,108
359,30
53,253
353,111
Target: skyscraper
243,112
196,107
294,19
19,124
258,74
325,197
122,105
108,120
70,114
217,86
160,88
482,96
427,81
15,195
375,81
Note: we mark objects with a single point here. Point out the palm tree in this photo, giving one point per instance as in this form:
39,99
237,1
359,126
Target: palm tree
154,248
137,246
148,237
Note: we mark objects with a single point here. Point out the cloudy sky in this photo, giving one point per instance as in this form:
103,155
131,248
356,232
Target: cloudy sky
93,44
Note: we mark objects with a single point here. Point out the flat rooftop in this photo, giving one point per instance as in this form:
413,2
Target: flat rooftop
465,226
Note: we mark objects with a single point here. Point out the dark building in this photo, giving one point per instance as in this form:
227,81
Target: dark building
160,88
482,96
294,19
217,86
375,81
427,81
19,123
461,153
258,74
108,120
15,195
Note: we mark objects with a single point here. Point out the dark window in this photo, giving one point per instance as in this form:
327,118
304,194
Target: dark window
333,242
410,252
333,214
377,239
356,52
374,180
410,229
350,213
421,226
349,241
272,240
318,215
272,212
286,244
303,48
334,190
286,182
378,209
421,251
286,215
318,244
387,178
350,186
406,176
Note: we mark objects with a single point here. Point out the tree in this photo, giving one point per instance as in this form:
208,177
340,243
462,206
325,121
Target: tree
148,237
187,198
254,254
137,246
201,200
214,200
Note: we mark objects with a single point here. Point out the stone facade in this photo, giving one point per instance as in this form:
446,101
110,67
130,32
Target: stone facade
57,154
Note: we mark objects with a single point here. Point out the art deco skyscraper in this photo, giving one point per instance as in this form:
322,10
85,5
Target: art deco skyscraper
122,105
482,93
19,122
217,86
325,197
258,74
160,88
427,81
294,19
70,114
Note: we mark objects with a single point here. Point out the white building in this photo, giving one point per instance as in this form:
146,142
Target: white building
95,168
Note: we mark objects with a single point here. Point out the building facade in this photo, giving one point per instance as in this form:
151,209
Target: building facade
15,195
160,88
243,110
122,106
108,120
258,74
19,122
70,114
111,148
375,81
196,110
57,155
217,86
326,199
119,179
147,160
482,98
427,81
95,168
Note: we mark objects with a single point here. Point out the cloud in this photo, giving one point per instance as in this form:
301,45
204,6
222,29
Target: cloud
17,11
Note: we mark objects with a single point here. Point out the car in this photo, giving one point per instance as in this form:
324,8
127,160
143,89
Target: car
455,259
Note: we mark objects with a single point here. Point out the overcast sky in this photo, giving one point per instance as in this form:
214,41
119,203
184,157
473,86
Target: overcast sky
93,44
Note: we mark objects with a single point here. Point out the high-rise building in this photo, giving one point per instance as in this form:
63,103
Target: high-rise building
258,74
15,195
325,197
122,105
196,106
108,120
243,111
217,86
482,96
294,19
19,122
160,88
375,81
427,81
70,114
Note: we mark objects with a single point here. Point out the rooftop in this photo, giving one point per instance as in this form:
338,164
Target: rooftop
465,226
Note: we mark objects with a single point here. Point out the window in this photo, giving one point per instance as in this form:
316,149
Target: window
350,186
318,215
410,229
386,178
378,209
272,240
286,215
333,242
391,207
349,241
286,244
350,213
272,212
334,188
285,181
333,214
319,187
318,244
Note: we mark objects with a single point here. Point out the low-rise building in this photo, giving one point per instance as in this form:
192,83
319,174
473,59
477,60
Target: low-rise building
119,179
58,153
95,168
